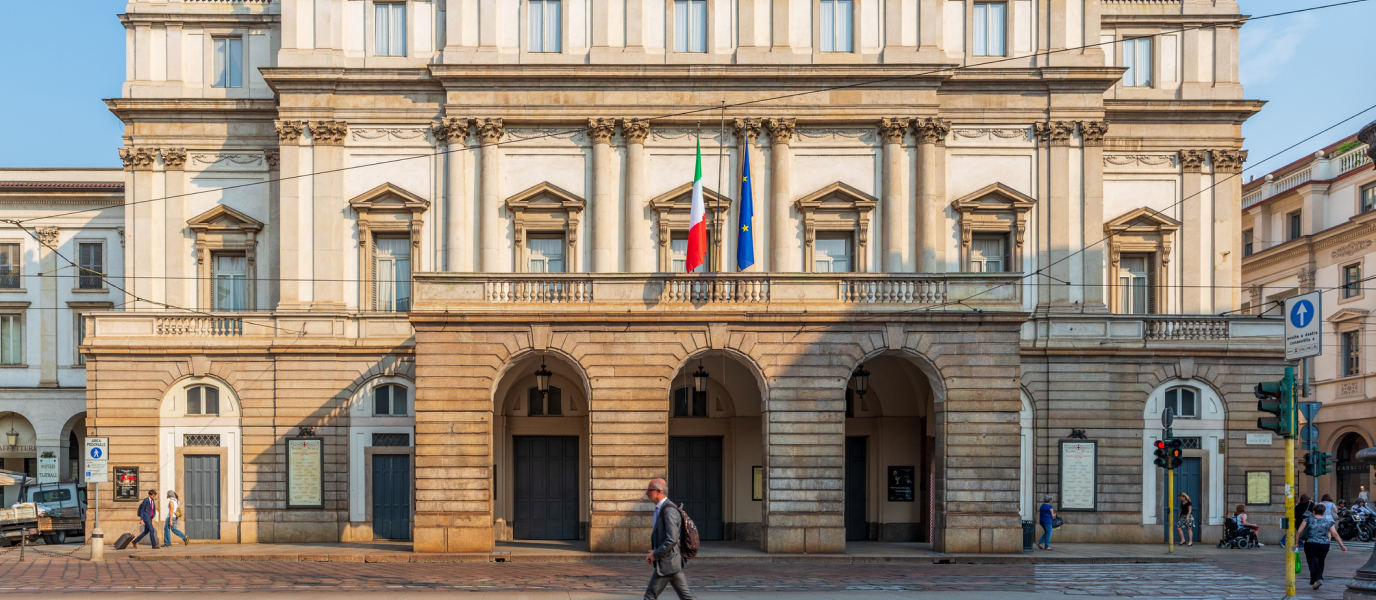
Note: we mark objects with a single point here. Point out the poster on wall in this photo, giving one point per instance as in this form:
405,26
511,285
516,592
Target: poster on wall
1258,487
305,480
47,467
901,482
757,483
1079,475
126,484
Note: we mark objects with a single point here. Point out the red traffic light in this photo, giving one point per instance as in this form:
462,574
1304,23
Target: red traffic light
1160,445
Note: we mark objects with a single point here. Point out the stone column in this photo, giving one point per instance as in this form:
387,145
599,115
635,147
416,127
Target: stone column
138,191
271,258
180,281
1227,260
931,193
1092,226
294,205
328,244
640,253
489,204
1194,258
747,133
47,299
605,209
1056,136
783,232
897,256
452,133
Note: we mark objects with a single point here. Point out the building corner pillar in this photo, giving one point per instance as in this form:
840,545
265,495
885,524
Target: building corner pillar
931,200
640,255
1227,261
782,231
605,210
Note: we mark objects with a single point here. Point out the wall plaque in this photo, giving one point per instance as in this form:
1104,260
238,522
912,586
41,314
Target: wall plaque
1259,439
47,468
305,477
1258,487
126,484
757,483
901,482
1079,475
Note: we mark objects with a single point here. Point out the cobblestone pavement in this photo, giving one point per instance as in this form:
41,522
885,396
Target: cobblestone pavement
1244,574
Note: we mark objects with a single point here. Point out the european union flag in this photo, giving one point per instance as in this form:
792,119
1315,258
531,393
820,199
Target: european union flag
745,240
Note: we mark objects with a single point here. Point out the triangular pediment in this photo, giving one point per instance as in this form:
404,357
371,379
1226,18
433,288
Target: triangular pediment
545,196
389,196
1143,219
1347,314
837,196
681,198
223,217
995,197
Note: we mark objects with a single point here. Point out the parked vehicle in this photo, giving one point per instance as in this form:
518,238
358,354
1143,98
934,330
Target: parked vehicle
48,511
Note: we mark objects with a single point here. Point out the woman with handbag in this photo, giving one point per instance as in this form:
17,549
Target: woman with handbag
1184,523
1046,514
174,512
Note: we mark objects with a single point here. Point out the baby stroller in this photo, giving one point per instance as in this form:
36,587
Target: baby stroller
1242,538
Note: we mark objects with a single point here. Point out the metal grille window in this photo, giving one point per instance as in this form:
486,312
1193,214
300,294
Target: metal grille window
9,266
1352,280
1352,353
391,439
202,400
208,440
92,276
1191,443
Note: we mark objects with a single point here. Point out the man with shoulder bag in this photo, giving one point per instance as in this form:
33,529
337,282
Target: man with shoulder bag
665,537
148,512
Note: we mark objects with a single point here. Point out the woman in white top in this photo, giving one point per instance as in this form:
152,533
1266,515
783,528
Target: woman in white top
173,505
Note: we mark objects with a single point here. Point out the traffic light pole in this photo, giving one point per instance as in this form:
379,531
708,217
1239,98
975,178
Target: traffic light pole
1290,557
1170,510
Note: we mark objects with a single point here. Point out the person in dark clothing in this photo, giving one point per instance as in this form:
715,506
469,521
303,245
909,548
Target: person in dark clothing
1184,523
1316,531
1304,508
664,553
1046,516
148,512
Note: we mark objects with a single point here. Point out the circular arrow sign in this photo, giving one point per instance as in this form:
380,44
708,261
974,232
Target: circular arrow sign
1309,433
1167,417
1301,314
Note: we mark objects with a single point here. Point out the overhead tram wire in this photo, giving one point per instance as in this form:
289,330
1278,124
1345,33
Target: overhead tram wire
723,106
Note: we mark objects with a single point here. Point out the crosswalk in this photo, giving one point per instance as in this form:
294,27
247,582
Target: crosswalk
1176,581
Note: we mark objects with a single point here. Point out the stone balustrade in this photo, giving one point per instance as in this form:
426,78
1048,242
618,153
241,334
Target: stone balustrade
1150,331
176,328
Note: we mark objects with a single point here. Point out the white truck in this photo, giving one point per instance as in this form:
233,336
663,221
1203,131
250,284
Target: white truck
50,511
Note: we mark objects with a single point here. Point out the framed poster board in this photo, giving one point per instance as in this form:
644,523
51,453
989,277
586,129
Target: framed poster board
1258,487
126,484
757,483
901,482
305,475
1079,475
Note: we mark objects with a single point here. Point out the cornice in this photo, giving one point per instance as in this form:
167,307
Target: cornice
1179,21
174,109
1312,244
1182,111
199,18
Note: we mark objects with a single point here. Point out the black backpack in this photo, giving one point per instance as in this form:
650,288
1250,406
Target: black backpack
688,540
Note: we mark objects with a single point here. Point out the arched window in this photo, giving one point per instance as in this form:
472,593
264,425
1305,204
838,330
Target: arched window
1184,401
683,407
545,405
390,400
202,400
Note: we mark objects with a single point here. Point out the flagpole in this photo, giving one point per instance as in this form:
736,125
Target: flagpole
721,153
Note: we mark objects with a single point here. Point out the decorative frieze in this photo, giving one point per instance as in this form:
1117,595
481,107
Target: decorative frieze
1092,132
289,132
174,159
273,157
1139,160
1054,133
1228,161
931,130
679,134
781,129
601,129
328,133
489,130
834,134
388,133
138,159
451,130
47,235
635,131
1351,248
516,135
747,129
990,133
237,159
1192,161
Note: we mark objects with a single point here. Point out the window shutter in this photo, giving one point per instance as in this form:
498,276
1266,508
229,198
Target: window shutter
1151,284
1008,254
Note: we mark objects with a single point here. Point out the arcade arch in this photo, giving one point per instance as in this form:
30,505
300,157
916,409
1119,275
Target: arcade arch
1351,474
200,455
1201,420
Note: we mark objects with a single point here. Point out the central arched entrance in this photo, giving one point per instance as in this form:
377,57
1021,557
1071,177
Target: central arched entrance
1351,474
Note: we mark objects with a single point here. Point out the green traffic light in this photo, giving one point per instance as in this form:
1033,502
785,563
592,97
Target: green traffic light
1278,399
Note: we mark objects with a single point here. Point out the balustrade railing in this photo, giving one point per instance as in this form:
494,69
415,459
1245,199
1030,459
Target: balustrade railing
1294,180
894,291
1353,159
704,290
1178,328
199,326
539,291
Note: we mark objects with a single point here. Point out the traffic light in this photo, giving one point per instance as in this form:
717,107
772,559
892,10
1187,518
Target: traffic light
1177,449
1277,398
1308,465
1325,463
1162,457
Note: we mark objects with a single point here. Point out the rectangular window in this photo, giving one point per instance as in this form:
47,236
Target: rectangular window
231,282
547,254
1137,58
1247,243
229,62
689,402
1135,281
832,253
837,23
10,266
1369,198
390,400
11,339
393,274
202,400
988,253
80,336
678,254
1294,223
389,31
690,25
990,27
1182,402
1352,353
1352,280
91,256
545,25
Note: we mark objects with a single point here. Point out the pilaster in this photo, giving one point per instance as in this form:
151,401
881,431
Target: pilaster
1194,259
177,253
294,200
1092,225
747,133
783,231
1227,234
452,134
896,259
47,263
273,254
605,209
931,135
328,247
1060,212
138,164
640,255
489,208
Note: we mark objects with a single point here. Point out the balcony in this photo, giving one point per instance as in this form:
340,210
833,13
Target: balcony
1081,332
736,292
301,330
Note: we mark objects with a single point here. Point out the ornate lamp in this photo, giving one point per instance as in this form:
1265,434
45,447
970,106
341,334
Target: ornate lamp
700,380
542,380
862,380
12,437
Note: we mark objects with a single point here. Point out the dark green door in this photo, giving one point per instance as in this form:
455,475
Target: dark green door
202,508
392,496
695,482
1186,481
545,488
856,529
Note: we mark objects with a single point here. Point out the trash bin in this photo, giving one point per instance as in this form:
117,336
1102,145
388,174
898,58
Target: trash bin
1029,536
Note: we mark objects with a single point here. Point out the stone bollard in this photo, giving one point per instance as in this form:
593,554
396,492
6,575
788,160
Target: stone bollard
1362,586
97,545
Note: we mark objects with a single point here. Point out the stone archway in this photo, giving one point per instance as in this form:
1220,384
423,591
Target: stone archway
1350,475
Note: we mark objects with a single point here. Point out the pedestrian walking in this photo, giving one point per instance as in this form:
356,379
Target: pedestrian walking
1303,509
1331,509
174,512
1184,524
1046,516
148,512
1316,531
664,553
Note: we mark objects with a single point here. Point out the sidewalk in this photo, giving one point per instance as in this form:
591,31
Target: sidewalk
734,552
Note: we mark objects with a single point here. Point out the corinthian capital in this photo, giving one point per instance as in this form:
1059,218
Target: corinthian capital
174,159
1228,161
1054,133
601,129
451,130
1192,161
1092,132
138,159
747,130
635,131
932,130
892,129
328,133
273,157
781,130
289,132
489,130
46,235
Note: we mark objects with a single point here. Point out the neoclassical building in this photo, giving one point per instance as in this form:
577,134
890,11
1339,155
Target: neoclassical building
413,270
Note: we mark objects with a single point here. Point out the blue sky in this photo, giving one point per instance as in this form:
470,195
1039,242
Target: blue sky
1313,68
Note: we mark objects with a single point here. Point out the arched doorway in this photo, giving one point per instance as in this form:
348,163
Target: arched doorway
382,424
716,448
541,451
73,441
1351,474
200,456
18,450
890,452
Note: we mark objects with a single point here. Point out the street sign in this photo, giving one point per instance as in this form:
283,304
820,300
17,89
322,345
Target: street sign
97,460
1309,409
1303,331
1309,433
1167,417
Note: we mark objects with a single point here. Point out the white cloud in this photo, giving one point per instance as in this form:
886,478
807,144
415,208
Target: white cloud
1266,48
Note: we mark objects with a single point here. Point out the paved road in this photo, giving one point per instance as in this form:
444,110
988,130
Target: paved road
1241,574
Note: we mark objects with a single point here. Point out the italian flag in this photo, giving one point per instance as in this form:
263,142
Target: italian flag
697,225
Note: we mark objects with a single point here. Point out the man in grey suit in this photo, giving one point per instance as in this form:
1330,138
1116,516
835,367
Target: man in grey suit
664,554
